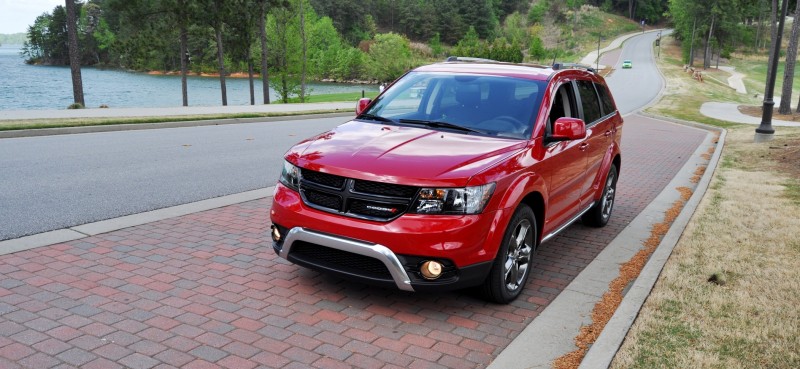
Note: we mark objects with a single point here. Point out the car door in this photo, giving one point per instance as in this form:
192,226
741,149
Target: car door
598,137
567,162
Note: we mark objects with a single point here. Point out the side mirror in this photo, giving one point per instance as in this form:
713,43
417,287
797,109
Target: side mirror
567,129
362,105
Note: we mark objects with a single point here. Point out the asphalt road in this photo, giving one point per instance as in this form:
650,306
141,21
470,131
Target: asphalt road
636,87
53,182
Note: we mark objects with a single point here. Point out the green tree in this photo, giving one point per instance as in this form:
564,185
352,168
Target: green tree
450,23
216,19
284,42
47,38
263,6
480,15
390,56
537,12
241,37
436,45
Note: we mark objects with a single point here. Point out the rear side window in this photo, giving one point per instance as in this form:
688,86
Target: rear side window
589,102
605,99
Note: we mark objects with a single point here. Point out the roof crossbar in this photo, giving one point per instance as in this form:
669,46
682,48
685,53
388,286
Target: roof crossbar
558,66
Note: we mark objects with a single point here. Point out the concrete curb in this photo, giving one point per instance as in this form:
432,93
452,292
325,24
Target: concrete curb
180,124
108,225
602,352
552,333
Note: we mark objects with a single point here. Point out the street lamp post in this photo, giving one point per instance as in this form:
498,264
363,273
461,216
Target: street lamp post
765,132
658,43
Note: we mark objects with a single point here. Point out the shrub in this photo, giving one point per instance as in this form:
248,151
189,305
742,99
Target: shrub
391,56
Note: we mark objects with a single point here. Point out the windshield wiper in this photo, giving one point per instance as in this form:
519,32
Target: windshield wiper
374,117
439,124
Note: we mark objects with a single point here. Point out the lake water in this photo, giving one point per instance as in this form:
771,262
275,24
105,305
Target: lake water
25,86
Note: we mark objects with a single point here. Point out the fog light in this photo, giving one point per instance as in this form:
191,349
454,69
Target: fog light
431,269
276,234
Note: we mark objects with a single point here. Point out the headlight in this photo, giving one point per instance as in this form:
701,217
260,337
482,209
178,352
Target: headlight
466,200
290,176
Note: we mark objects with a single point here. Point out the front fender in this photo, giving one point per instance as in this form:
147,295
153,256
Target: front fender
517,191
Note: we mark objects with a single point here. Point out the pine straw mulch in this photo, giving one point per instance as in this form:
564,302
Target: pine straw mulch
628,272
755,111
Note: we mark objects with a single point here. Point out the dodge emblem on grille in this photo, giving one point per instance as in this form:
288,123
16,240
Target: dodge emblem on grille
380,208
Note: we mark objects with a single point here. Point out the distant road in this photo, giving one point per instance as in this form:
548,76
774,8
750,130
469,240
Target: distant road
636,87
53,182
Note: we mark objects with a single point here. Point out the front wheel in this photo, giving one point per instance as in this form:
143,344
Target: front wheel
600,213
512,265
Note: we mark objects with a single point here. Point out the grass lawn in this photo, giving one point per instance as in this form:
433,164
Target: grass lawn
344,96
10,125
728,296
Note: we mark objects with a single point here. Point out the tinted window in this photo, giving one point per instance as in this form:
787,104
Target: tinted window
589,101
605,99
499,106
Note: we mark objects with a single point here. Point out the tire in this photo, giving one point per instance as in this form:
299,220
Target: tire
600,213
512,265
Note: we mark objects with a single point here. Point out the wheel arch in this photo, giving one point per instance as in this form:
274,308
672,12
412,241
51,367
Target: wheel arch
535,201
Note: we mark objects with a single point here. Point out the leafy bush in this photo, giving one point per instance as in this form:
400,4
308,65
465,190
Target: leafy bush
500,49
390,56
536,12
351,63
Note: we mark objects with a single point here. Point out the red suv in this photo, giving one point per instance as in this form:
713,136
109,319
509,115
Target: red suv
452,177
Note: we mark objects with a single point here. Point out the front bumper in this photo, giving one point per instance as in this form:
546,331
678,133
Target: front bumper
378,252
371,263
388,254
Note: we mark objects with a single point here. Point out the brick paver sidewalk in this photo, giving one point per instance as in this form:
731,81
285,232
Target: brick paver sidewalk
206,290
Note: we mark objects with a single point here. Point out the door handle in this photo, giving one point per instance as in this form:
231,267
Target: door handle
583,146
608,133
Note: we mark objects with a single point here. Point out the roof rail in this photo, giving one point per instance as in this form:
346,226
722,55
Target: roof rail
469,59
558,66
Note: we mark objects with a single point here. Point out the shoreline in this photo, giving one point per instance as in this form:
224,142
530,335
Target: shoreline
243,75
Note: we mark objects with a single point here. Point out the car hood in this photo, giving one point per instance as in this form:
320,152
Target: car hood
406,155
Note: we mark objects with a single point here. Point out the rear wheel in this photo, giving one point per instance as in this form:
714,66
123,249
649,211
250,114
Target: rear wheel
512,265
600,213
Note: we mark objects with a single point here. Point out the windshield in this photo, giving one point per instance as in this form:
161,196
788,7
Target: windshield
481,104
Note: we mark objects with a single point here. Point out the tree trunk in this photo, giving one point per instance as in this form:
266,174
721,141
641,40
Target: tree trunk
758,31
264,70
250,76
184,40
707,51
630,8
788,72
304,61
773,26
74,53
691,43
221,61
184,65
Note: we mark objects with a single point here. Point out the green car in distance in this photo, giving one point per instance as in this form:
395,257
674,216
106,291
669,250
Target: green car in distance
626,64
